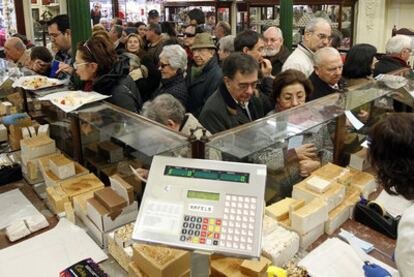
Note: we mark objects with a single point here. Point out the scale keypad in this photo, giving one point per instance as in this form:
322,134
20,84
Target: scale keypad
239,218
201,230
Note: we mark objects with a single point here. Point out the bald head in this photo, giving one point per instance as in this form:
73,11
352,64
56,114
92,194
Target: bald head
328,65
14,48
273,39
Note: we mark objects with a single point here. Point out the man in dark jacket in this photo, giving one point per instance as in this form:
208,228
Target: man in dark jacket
398,50
204,76
234,103
328,73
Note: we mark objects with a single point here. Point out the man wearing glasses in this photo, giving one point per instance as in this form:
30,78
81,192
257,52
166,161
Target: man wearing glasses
317,35
234,102
61,37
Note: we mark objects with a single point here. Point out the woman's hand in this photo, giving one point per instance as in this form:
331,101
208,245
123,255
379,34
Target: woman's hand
306,167
306,152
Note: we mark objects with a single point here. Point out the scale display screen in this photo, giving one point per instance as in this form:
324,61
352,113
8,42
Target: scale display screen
204,195
207,174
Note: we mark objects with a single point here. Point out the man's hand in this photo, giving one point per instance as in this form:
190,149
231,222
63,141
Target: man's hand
306,167
306,152
65,68
266,67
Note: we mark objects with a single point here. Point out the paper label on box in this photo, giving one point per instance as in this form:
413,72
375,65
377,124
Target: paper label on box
161,217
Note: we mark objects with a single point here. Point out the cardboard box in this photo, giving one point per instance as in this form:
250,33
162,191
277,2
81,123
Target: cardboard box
333,196
62,167
78,185
280,209
101,217
134,271
56,198
123,235
157,261
112,201
255,268
122,255
330,172
309,216
121,187
225,266
101,238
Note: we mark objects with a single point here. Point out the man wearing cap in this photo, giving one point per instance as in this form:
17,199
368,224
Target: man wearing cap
153,17
205,75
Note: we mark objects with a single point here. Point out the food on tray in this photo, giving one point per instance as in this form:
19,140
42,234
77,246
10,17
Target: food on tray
69,100
39,82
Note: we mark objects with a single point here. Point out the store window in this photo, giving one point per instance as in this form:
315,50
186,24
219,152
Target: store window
105,9
7,20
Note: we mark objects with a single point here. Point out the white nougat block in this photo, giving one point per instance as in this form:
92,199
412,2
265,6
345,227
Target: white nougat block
43,130
25,133
36,222
32,131
318,184
333,196
337,217
310,237
36,147
5,108
364,182
3,133
62,167
17,230
308,217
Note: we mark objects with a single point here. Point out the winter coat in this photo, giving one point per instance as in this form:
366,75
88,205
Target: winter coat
388,64
202,87
176,87
120,86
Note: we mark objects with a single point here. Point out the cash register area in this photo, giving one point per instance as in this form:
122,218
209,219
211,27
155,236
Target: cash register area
75,194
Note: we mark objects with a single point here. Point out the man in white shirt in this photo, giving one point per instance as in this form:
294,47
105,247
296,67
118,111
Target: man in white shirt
317,35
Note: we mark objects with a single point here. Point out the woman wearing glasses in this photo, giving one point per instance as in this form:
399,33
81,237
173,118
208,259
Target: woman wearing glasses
98,65
173,63
311,149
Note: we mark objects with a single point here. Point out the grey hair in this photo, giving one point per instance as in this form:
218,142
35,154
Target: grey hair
319,56
163,108
176,56
227,43
279,32
397,43
311,26
225,26
134,61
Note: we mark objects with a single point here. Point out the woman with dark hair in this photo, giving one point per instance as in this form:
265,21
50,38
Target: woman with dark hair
98,65
391,153
359,64
289,91
142,28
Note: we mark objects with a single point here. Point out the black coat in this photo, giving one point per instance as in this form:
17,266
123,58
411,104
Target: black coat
176,87
279,59
202,87
120,86
320,88
221,112
388,64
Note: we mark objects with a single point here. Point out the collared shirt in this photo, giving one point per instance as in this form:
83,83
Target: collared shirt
245,107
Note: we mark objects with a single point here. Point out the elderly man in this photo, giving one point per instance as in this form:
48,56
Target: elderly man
153,17
398,49
234,103
222,29
16,52
226,47
317,35
155,42
328,72
205,75
274,50
116,36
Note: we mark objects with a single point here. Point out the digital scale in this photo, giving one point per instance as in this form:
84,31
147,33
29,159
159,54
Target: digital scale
207,205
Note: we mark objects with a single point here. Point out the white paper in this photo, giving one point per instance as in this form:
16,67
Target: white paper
354,121
14,206
365,144
395,205
337,258
69,101
46,82
295,141
49,253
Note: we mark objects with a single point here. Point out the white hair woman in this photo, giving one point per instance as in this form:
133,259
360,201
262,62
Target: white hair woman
398,50
173,63
226,46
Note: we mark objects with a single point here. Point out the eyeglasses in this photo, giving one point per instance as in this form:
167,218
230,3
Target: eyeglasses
163,65
245,86
76,65
55,35
323,37
189,35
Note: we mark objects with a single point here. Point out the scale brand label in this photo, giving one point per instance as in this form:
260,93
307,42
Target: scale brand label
201,208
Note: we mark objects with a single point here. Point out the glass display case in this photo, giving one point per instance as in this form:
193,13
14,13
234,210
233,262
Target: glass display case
276,140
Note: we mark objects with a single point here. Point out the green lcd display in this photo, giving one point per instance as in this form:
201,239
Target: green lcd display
207,174
204,195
